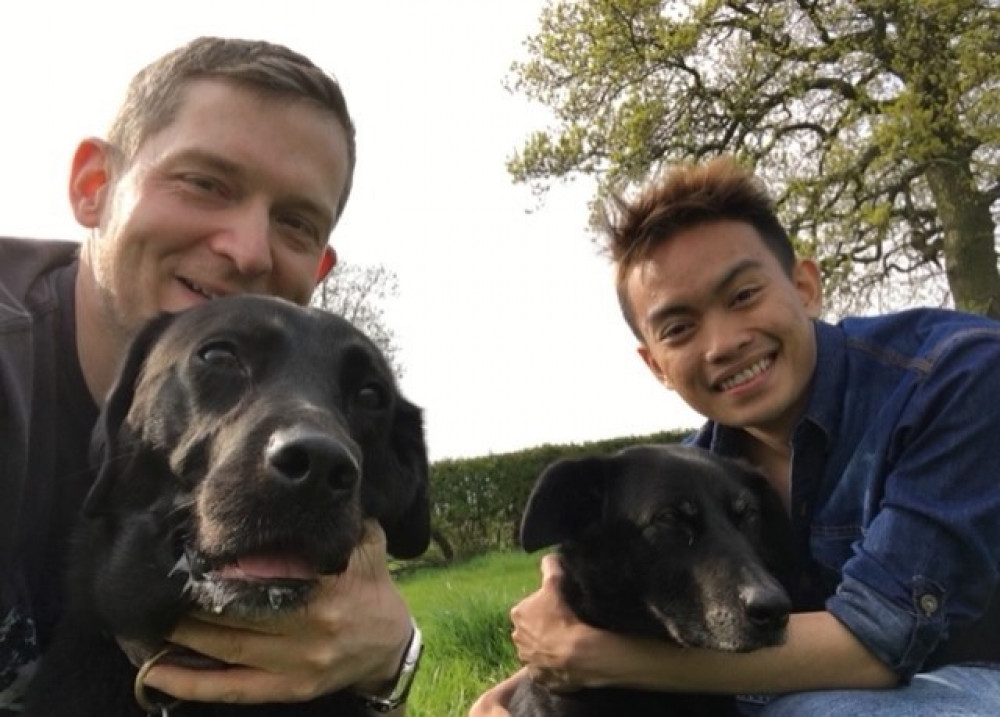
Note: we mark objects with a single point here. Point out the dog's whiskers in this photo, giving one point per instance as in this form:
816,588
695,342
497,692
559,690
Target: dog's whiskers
668,624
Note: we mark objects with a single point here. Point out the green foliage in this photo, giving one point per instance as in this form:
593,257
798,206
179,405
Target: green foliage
462,611
875,122
477,502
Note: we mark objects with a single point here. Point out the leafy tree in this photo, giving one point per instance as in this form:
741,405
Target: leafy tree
357,292
875,123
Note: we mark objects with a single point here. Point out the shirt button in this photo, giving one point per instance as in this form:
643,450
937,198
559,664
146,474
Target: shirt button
929,604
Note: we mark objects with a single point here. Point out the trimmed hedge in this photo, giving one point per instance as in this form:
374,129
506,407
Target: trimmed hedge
477,502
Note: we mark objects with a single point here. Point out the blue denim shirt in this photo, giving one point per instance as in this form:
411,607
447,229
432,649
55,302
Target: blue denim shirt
895,483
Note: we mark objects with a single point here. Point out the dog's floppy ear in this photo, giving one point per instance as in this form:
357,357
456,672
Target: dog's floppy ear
568,496
116,408
409,533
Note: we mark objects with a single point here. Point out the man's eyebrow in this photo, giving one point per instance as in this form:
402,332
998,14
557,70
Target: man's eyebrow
734,272
660,313
207,159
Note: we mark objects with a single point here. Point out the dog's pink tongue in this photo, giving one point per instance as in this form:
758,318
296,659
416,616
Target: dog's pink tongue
268,566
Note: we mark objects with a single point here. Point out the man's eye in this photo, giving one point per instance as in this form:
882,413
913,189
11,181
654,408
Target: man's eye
745,295
296,222
205,187
674,332
203,183
302,227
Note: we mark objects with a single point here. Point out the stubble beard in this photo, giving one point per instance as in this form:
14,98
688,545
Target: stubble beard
113,312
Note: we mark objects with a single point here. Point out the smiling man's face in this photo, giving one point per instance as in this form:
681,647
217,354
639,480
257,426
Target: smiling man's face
724,326
238,194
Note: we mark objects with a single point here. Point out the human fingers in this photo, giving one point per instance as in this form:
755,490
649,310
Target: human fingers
495,701
551,568
545,630
235,645
543,609
232,685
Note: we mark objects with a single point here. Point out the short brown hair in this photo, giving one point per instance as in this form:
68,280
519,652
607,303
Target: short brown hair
154,95
685,196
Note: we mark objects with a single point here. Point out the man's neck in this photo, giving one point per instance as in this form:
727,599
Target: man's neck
769,446
98,346
772,454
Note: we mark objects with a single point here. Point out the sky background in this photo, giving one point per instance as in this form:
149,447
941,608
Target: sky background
506,318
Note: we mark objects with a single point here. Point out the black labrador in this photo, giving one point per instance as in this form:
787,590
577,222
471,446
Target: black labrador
664,541
240,450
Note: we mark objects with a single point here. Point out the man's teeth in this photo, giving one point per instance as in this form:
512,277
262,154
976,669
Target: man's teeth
746,374
199,290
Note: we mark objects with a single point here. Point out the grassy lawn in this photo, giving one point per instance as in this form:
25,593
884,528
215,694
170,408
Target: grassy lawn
463,613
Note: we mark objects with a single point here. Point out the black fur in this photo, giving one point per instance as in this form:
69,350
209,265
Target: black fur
246,428
663,541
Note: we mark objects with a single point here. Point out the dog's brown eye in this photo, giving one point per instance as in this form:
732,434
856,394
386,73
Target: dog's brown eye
220,355
675,524
372,397
743,510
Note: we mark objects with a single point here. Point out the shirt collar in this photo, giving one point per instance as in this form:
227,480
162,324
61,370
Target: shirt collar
826,390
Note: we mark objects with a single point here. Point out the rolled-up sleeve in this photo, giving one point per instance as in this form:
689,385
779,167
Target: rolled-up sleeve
928,557
901,637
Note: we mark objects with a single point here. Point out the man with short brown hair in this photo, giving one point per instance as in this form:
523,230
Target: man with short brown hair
224,172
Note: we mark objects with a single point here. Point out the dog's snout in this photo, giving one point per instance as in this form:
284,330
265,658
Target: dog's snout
766,605
311,457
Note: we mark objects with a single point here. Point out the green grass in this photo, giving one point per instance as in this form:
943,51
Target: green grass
463,613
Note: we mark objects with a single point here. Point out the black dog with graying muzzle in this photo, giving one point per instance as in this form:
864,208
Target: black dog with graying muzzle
241,449
664,541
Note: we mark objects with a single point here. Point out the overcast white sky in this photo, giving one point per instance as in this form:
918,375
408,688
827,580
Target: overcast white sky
507,322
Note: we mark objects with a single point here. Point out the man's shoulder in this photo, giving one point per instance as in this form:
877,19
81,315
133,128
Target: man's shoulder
24,263
918,337
26,259
863,362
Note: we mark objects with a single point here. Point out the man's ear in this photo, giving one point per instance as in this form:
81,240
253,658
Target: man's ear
809,285
647,358
89,181
326,263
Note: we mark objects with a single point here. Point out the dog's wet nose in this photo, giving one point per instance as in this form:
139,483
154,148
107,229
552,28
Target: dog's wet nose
766,607
303,457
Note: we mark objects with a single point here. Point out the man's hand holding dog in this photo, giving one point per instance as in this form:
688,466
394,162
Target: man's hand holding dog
551,642
352,633
556,648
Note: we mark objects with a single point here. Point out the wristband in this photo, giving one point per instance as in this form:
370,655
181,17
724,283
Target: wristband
404,676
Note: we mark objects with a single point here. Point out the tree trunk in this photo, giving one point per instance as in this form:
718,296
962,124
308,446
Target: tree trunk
442,542
969,246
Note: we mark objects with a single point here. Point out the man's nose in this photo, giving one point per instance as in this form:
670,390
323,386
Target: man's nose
246,240
724,338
